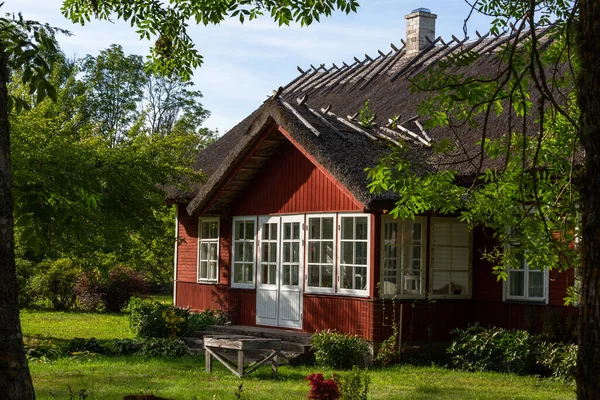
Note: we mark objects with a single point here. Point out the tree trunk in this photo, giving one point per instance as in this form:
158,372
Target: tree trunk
588,87
15,381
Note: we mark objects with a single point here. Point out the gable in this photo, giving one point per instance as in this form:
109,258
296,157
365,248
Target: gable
291,183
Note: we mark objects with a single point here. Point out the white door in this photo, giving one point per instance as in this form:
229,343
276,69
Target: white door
279,290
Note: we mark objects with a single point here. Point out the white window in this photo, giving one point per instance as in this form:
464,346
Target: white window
403,257
524,283
320,253
353,273
450,258
208,250
244,247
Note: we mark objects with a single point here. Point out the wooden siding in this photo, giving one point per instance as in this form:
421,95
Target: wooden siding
200,297
187,251
345,314
292,184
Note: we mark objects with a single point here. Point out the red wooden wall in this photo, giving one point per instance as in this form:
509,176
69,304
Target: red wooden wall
290,183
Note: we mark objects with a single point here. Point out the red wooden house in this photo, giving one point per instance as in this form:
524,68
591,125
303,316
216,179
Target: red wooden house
284,232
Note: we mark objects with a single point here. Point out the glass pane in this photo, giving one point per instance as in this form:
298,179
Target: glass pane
390,231
346,277
347,253
327,278
295,275
203,270
264,278
314,252
272,274
416,232
327,228
459,283
265,231
287,252
536,284
296,230
273,228
239,251
204,230
249,251
203,251
265,252
314,228
361,228
287,231
249,230
441,282
273,252
327,254
239,230
516,282
360,278
213,251
361,253
213,270
238,275
214,230
248,273
286,277
347,228
412,282
313,275
295,252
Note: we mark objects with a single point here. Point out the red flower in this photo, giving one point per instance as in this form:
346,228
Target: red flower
322,389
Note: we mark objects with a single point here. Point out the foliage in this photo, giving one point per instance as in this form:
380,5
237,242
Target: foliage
92,345
559,358
389,351
339,350
366,116
163,347
494,349
126,347
54,281
25,273
354,385
173,321
41,350
321,389
198,321
173,52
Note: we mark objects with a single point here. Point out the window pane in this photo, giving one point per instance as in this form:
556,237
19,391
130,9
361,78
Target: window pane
327,253
516,283
203,270
347,253
361,228
327,228
416,232
295,275
441,283
390,231
287,252
346,277
327,278
238,275
239,251
272,274
361,253
213,270
296,252
213,251
314,228
214,230
248,273
265,231
314,252
286,275
265,252
313,275
360,278
248,251
273,252
287,231
274,234
536,283
249,230
203,251
347,228
204,230
459,283
412,282
239,230
296,230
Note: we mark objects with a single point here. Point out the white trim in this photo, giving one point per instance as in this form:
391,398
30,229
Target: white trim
469,271
314,289
353,292
507,297
233,284
424,246
210,240
175,256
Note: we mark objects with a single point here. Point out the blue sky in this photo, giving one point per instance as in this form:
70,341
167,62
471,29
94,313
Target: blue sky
244,63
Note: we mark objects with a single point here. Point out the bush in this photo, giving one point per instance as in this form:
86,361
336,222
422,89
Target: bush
41,350
25,273
161,347
92,345
354,385
338,350
389,352
148,318
560,359
112,292
493,349
54,282
126,347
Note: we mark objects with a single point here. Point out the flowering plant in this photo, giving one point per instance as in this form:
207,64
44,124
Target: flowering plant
321,389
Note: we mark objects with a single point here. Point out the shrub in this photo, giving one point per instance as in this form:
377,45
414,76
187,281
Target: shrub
126,347
41,350
161,347
493,349
354,385
54,282
112,292
338,350
92,345
560,359
199,321
389,352
321,389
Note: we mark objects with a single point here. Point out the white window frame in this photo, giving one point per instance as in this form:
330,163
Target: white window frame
400,260
235,284
209,241
338,273
469,271
525,298
314,289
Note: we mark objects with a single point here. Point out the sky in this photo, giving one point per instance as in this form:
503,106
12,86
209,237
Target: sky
243,64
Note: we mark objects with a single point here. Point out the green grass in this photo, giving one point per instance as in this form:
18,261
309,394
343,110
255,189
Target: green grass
185,378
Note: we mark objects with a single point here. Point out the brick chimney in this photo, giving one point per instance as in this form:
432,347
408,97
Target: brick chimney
420,23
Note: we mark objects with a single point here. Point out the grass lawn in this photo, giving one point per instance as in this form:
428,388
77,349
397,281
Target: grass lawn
185,378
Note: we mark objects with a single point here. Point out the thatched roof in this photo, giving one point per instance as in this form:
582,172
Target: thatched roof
319,110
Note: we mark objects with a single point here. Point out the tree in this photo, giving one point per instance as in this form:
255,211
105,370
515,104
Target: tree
173,48
540,174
